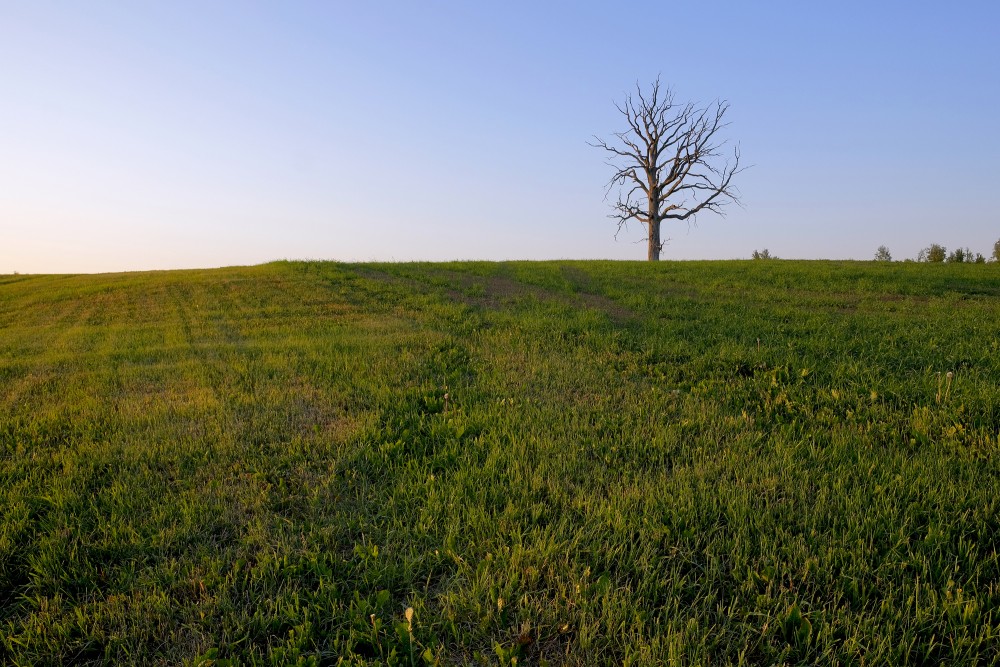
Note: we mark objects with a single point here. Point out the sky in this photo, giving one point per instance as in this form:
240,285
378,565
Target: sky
143,135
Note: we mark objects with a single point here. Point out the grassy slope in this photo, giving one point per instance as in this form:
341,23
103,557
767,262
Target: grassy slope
674,464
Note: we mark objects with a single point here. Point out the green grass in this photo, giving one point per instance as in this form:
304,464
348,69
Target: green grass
672,464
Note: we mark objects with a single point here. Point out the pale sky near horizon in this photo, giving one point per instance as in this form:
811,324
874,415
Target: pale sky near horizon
139,135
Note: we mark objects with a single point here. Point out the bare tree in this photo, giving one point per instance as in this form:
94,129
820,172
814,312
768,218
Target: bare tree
667,162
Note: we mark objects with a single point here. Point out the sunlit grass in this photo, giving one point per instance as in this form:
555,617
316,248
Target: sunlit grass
684,463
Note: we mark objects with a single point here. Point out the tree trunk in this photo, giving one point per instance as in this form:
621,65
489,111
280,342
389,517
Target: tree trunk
654,240
653,209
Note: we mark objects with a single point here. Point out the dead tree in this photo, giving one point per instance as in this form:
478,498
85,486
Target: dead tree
667,163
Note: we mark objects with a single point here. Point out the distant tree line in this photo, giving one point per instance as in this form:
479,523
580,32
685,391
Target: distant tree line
932,253
936,252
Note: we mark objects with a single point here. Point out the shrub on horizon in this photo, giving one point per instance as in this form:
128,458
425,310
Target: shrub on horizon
933,253
960,256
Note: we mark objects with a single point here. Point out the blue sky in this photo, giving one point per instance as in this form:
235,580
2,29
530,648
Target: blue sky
198,134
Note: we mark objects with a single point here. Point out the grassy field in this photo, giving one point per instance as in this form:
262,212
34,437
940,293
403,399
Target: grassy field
566,463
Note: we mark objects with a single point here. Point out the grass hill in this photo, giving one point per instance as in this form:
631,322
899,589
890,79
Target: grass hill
554,463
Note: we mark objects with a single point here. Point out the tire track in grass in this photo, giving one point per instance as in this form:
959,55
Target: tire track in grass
500,290
302,485
381,476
